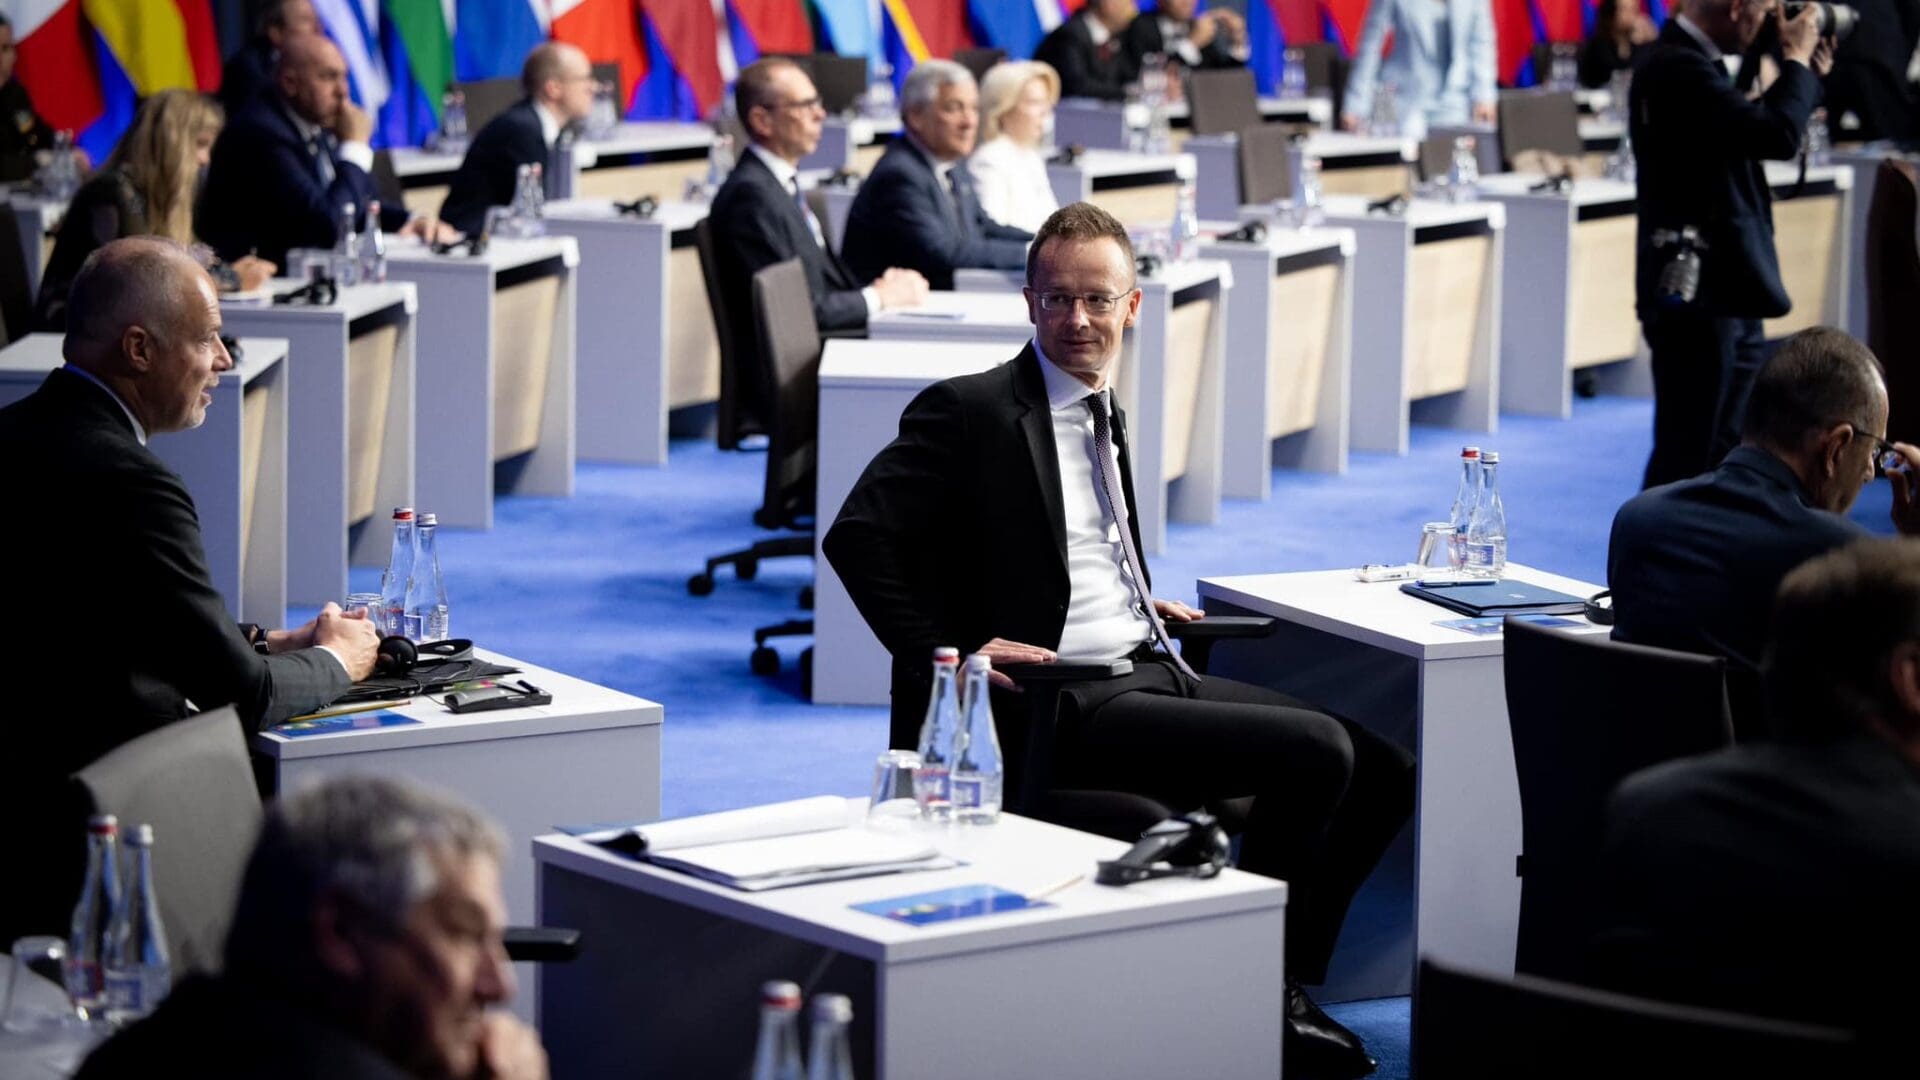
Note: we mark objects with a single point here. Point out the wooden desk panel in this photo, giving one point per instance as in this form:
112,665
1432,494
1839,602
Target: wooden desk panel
1444,286
421,200
1602,326
661,179
1297,352
1373,181
1191,324
693,353
1805,231
370,374
1152,204
523,320
253,442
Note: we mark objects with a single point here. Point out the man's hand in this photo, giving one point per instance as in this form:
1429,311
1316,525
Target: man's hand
1800,35
351,636
1485,113
1349,122
1204,27
253,271
431,230
900,288
1175,611
1228,24
1002,651
1643,31
1822,61
509,1050
353,124
1906,491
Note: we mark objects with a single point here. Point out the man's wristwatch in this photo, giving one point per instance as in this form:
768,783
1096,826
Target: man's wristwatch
256,636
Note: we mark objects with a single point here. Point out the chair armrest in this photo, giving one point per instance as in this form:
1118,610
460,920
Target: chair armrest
541,944
1217,627
1069,669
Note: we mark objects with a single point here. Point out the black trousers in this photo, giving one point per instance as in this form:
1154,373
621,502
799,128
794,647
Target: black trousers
1329,795
1702,369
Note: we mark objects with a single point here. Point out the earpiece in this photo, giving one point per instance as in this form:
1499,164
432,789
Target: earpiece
397,656
1600,608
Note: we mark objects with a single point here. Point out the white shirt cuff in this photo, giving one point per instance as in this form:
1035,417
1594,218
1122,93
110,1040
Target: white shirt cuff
328,649
357,152
872,297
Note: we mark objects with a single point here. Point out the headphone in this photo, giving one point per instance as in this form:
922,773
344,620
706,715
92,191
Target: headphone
1192,845
1600,608
1253,232
1147,265
642,207
320,291
397,656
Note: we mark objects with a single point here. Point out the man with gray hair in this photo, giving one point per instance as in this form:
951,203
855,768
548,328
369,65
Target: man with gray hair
917,209
109,536
559,82
366,945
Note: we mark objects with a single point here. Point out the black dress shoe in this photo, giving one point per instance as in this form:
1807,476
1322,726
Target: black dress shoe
1318,1047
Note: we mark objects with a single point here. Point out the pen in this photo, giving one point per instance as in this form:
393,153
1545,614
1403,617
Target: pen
1444,583
367,706
529,687
1058,886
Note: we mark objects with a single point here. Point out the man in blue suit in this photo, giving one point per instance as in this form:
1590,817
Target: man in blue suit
917,209
1699,142
1694,565
290,161
559,83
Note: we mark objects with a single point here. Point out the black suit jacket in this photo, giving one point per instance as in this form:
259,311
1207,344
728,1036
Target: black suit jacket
1698,143
956,532
1599,59
1084,72
904,216
248,75
486,176
131,627
757,224
1142,36
1777,879
264,194
1869,76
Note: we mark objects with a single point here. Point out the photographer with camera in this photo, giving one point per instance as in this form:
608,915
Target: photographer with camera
1706,272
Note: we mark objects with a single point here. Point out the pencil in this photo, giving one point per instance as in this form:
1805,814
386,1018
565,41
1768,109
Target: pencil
1058,886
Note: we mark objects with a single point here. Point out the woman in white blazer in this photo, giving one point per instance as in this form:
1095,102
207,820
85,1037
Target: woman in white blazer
1010,166
1442,67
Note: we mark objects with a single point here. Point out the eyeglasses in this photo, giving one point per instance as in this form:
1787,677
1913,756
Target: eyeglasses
1097,303
809,104
1886,459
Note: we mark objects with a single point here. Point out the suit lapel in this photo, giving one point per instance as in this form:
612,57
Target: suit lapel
1035,420
1122,446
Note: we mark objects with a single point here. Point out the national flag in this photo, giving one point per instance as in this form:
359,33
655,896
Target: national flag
688,35
86,62
491,38
849,24
608,31
1014,26
160,44
776,26
1514,34
417,48
353,25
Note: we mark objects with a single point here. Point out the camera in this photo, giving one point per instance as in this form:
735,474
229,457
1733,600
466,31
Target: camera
1836,20
1680,277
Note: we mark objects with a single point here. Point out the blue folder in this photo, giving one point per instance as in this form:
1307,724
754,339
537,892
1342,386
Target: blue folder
1500,598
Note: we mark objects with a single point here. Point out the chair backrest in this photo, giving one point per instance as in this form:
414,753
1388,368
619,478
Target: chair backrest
1435,156
1326,68
1265,172
839,80
488,98
978,61
610,73
737,414
1555,1028
1546,120
386,180
789,359
193,782
1893,280
1542,56
1222,100
1586,712
16,295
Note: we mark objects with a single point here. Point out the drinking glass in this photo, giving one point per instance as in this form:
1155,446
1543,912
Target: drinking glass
1436,556
892,796
368,602
33,1008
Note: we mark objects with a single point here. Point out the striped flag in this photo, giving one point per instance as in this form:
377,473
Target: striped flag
491,38
417,47
352,24
689,37
608,31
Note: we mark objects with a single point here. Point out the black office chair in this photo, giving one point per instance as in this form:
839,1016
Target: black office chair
1470,1026
1326,69
1893,280
1266,173
1222,100
1586,712
978,61
488,98
16,298
1434,157
839,80
1547,121
387,186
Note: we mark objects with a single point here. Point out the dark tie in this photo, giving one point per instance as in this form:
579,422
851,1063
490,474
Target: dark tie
322,153
957,191
1106,51
806,212
1117,500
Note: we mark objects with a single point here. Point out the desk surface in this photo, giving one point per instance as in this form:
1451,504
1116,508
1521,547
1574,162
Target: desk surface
629,138
1421,213
355,301
862,363
942,311
1016,854
1099,164
503,253
39,353
578,705
1333,145
673,214
1283,241
1373,612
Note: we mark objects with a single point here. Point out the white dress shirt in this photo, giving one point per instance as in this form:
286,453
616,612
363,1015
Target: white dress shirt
789,177
353,150
1104,618
1011,182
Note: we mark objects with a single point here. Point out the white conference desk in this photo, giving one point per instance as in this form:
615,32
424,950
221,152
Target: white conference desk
1371,165
350,426
1598,138
592,755
647,344
36,217
234,466
1289,369
1114,125
1371,653
496,372
1176,977
654,157
852,143
1136,188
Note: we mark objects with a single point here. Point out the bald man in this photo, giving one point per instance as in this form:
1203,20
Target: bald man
125,631
559,84
289,161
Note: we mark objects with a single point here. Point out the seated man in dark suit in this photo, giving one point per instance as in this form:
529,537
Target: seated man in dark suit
365,945
137,636
22,132
1090,53
1001,521
917,208
1216,38
1693,565
286,166
249,72
1779,878
559,84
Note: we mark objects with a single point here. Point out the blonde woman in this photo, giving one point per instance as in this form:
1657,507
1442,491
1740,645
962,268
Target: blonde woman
1010,167
147,187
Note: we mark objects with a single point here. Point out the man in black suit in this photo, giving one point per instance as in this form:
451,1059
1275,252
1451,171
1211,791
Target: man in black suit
760,217
249,72
559,84
133,634
1090,53
1694,564
1213,39
917,209
1868,94
1699,143
1779,878
1001,521
288,163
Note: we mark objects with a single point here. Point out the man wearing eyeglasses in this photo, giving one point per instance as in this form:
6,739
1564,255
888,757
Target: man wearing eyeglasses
1001,521
1693,565
559,84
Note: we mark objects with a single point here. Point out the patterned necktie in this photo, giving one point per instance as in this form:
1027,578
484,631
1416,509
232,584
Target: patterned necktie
806,212
322,157
1103,456
959,201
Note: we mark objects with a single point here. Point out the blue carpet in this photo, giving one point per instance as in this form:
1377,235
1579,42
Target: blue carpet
595,586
